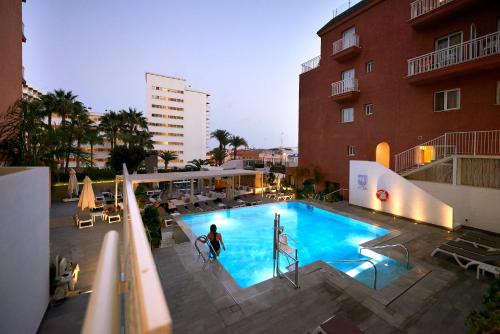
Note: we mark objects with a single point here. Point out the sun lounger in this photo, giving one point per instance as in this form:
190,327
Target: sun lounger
191,207
466,258
233,204
182,210
213,205
83,219
251,200
206,207
472,248
114,218
479,239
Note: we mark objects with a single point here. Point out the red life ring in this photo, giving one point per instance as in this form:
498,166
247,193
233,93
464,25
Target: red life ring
382,195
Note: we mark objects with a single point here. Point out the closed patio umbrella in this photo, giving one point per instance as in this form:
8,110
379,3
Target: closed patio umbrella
87,198
72,184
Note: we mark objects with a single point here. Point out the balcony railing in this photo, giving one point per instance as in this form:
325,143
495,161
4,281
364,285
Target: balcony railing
421,7
482,143
143,306
470,50
344,86
311,64
345,43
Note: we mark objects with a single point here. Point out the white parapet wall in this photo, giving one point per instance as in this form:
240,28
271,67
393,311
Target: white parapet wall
24,248
472,206
405,198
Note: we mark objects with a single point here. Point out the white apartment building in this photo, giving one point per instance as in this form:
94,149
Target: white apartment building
178,118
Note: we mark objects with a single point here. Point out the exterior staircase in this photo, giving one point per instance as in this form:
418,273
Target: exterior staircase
444,147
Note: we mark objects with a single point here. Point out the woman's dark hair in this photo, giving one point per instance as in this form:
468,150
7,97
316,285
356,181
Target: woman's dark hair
213,228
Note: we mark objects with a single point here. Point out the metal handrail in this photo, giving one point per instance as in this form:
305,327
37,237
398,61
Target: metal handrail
391,246
335,191
361,260
209,246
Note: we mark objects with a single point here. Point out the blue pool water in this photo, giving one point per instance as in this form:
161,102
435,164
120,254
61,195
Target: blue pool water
317,234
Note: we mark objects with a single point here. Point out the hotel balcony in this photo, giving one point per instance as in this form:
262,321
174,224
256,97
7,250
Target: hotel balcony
345,90
479,54
346,48
311,64
424,12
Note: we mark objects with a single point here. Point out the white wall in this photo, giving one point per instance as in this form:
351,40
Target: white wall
405,198
480,206
24,248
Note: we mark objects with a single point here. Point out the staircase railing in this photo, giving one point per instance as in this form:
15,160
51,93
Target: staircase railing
375,272
483,143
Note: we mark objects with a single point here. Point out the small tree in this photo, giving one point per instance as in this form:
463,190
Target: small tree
152,222
168,156
196,164
488,320
218,156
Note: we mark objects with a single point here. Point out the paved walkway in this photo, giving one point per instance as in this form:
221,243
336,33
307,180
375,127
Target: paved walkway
80,246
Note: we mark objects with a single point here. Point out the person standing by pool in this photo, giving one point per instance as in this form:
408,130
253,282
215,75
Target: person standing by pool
215,240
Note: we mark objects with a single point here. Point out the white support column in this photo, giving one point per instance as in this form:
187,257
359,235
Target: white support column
455,171
192,191
170,188
116,192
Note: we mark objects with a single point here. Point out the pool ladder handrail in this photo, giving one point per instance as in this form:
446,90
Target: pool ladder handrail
391,246
362,260
209,245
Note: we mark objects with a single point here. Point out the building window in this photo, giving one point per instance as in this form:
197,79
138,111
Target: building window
159,106
167,116
351,151
368,109
177,91
369,67
447,100
347,115
164,98
174,143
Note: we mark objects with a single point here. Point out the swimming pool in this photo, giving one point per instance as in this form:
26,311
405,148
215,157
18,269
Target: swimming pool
317,234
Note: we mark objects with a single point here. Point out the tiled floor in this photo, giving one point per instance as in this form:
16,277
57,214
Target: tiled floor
436,300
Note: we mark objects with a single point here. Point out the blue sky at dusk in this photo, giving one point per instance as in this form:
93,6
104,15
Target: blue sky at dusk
246,54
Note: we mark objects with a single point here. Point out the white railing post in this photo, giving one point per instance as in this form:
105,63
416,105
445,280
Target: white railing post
474,142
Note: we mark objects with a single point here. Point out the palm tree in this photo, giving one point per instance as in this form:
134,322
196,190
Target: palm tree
133,125
222,136
218,155
93,137
77,125
235,142
197,163
49,106
168,156
110,125
63,103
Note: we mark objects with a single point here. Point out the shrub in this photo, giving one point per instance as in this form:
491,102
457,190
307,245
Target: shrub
152,222
488,320
95,174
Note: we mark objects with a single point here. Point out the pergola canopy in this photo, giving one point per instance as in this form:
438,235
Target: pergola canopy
179,176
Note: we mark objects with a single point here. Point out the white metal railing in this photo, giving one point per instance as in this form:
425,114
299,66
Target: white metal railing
421,7
345,86
481,143
146,310
144,307
345,42
311,64
103,310
476,48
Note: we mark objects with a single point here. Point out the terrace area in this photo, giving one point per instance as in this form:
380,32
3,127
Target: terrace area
435,297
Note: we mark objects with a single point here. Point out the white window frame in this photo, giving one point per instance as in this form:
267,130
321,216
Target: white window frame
368,106
459,99
369,67
351,151
448,37
342,119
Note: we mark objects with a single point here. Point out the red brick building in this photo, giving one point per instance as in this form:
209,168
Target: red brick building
394,74
11,39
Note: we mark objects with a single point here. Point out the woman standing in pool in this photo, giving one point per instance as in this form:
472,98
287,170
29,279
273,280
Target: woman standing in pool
215,240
